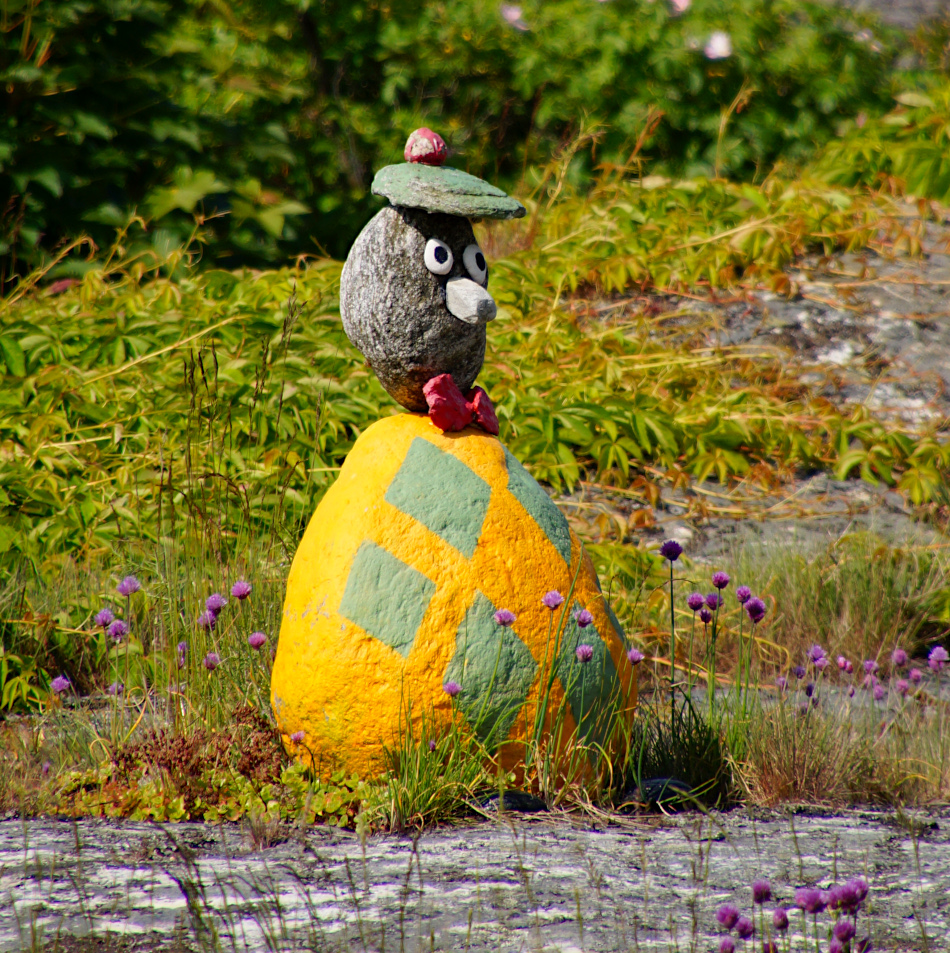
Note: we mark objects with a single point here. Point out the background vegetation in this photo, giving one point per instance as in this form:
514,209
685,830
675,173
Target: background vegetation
268,119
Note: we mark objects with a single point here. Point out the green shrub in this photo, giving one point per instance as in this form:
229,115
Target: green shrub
269,119
906,150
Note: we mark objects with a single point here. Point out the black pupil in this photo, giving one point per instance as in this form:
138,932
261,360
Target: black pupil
441,254
480,261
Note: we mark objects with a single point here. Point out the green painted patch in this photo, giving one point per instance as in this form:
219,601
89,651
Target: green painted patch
541,508
494,668
591,687
386,597
442,493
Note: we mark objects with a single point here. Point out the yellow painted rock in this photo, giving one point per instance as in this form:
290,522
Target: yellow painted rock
393,593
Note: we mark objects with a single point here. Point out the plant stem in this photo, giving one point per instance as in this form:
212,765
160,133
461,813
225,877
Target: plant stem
672,656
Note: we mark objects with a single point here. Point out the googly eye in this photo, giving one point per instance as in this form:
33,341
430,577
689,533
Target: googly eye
475,263
438,257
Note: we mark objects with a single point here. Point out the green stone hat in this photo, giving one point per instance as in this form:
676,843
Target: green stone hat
421,183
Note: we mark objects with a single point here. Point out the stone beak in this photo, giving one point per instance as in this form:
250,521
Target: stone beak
469,301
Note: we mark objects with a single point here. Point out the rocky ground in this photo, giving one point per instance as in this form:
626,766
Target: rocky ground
507,885
871,329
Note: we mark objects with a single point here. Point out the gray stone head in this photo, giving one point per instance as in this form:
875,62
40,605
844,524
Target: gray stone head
413,300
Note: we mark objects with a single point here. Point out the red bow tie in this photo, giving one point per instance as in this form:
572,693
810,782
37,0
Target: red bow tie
450,410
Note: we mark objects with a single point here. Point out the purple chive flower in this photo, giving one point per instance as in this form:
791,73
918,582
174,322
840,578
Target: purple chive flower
211,661
128,586
815,653
583,618
116,688
297,737
916,675
937,658
850,691
714,600
635,656
45,768
902,686
743,594
835,946
755,609
432,744
182,648
103,618
256,640
870,666
899,658
705,616
822,663
844,930
744,928
869,681
671,550
241,590
117,631
207,620
781,683
451,689
799,672
695,601
780,919
864,945
504,617
761,891
59,684
727,945
878,692
552,599
842,663
720,579
834,897
810,899
215,603
810,689
584,653
727,915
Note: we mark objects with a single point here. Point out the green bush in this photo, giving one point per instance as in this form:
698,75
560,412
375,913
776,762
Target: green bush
268,119
907,149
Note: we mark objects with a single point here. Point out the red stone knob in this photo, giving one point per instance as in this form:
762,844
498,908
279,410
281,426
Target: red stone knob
426,146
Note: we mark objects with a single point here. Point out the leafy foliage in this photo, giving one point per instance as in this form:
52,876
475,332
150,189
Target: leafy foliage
267,120
909,148
213,777
135,405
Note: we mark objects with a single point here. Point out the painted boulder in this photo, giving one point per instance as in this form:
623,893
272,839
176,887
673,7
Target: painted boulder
393,592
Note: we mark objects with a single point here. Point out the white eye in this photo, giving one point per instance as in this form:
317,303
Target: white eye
474,261
438,257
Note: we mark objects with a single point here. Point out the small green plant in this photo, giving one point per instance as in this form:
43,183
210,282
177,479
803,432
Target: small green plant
689,749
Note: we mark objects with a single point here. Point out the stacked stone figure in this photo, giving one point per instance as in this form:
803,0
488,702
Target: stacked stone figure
416,592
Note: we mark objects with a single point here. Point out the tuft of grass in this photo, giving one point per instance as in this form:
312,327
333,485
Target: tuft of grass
857,596
841,753
431,775
689,747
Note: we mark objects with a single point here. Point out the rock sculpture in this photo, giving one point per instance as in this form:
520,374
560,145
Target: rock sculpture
433,527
